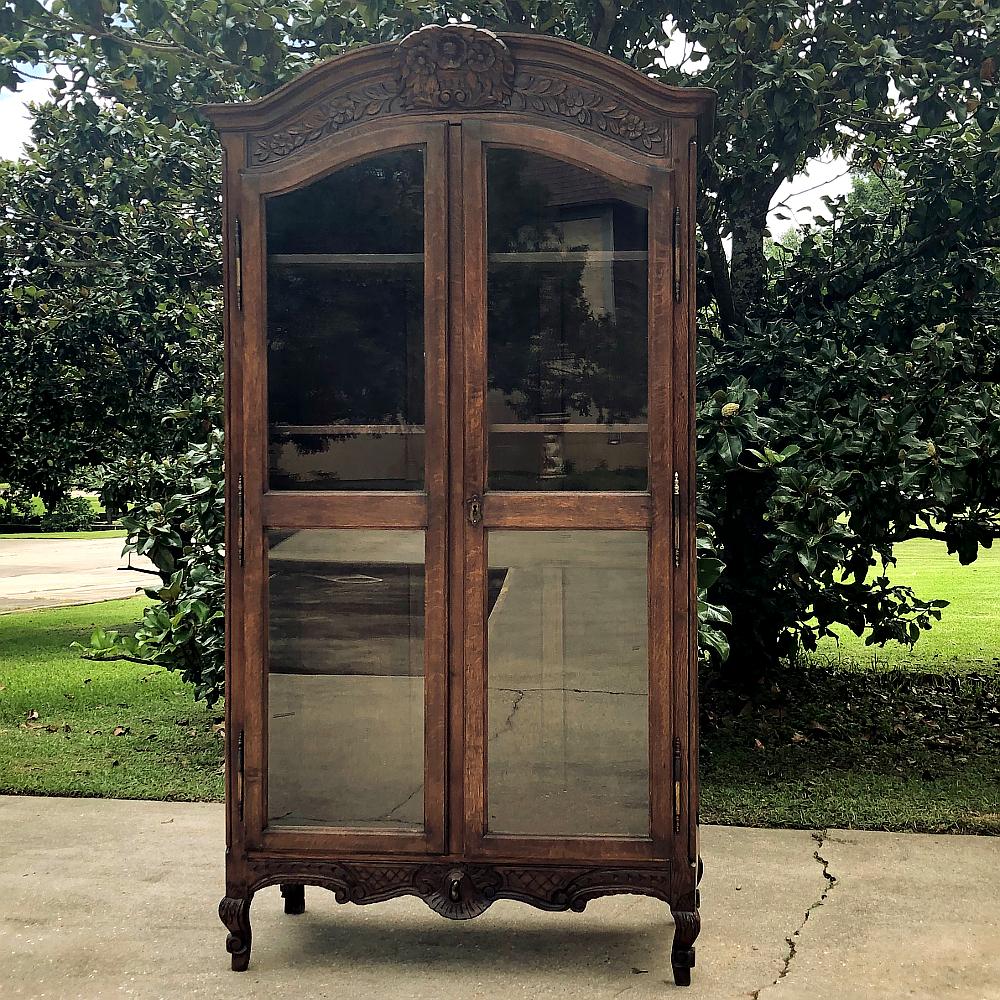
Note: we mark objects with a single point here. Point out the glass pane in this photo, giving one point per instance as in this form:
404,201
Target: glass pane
568,684
345,340
345,683
566,318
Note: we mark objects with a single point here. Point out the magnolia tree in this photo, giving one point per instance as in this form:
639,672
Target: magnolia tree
848,372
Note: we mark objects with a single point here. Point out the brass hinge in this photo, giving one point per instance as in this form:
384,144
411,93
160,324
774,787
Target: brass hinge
238,275
677,519
677,784
677,253
240,504
239,774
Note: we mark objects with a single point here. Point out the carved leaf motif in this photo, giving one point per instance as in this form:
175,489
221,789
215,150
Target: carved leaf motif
602,112
323,119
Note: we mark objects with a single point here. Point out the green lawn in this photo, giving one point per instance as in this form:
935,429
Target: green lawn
70,726
830,746
858,736
968,635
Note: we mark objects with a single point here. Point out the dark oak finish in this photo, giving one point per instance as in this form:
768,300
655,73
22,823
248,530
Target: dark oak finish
456,93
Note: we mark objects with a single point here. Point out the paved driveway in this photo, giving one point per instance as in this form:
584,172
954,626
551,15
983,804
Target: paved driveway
46,572
106,898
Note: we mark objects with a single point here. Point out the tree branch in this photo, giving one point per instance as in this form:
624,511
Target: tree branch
931,533
604,25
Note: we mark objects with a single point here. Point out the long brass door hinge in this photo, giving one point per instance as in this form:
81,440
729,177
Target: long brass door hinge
239,774
240,507
677,519
677,237
238,273
678,773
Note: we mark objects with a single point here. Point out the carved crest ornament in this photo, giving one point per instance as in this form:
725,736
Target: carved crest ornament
457,67
460,67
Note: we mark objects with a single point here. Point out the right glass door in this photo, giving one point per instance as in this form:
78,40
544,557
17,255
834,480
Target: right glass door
568,657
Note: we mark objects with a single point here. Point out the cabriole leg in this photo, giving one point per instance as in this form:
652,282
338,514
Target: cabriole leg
295,898
234,912
687,923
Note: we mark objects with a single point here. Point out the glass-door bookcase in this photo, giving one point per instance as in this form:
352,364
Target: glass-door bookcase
461,623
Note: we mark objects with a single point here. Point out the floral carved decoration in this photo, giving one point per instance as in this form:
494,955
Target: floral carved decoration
463,891
459,67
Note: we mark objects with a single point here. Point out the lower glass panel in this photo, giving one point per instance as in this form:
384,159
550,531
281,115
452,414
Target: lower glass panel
568,723
345,681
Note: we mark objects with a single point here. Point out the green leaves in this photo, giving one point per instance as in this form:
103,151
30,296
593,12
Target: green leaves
184,537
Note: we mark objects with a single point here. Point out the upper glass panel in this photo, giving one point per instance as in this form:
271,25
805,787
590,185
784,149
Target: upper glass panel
345,329
566,326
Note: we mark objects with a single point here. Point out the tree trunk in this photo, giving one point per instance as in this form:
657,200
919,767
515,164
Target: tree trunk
758,620
749,264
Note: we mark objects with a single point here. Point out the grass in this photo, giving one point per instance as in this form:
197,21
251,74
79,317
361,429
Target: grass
59,715
968,635
831,746
887,738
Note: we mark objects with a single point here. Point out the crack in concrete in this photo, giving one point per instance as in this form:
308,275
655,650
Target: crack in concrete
508,724
792,940
389,818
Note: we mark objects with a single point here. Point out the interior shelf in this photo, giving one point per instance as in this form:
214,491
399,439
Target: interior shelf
568,256
346,259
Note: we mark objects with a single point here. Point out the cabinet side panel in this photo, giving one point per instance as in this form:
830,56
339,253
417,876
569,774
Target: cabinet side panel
685,571
232,163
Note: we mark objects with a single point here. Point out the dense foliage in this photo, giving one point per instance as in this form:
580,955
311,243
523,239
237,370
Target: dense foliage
109,274
848,393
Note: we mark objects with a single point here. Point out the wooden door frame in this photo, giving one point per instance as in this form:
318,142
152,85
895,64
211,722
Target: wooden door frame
265,509
651,511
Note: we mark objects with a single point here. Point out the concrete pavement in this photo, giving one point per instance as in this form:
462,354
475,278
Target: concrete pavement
49,572
117,899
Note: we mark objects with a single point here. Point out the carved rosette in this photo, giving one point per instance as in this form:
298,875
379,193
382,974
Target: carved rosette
457,66
463,891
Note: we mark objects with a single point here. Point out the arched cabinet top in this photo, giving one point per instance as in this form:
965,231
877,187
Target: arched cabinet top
453,69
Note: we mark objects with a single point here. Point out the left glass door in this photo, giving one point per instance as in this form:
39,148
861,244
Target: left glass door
351,637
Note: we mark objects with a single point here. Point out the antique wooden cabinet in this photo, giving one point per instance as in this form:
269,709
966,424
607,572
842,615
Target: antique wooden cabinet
461,637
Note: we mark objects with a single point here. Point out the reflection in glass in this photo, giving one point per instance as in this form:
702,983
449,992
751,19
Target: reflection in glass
567,321
568,684
345,340
345,684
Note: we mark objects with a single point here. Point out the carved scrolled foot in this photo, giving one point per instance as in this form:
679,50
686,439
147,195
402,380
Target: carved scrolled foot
687,924
295,898
234,912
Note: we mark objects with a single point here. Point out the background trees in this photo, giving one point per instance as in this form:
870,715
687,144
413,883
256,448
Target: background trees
109,302
848,377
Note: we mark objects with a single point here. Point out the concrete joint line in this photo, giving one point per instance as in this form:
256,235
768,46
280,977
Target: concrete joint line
830,880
